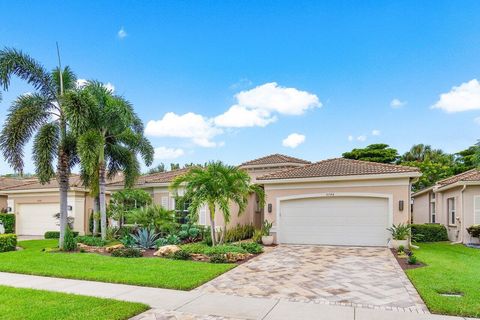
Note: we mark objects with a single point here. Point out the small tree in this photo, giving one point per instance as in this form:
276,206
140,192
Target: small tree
379,152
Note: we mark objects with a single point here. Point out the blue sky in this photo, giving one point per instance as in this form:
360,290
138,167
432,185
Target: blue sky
327,71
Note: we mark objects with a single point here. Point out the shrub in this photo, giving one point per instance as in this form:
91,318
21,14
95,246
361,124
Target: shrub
8,221
189,233
170,239
181,255
206,235
429,232
267,226
127,253
257,236
207,250
56,234
474,230
126,230
128,241
145,238
400,232
69,243
401,249
239,233
412,259
218,258
153,216
251,247
8,242
91,241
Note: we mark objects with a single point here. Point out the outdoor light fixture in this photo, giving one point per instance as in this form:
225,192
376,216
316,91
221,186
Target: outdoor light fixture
269,208
400,205
69,208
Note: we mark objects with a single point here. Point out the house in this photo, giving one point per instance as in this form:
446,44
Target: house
331,202
453,202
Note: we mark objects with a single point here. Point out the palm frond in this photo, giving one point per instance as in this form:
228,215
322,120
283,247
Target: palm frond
89,147
45,150
27,114
69,79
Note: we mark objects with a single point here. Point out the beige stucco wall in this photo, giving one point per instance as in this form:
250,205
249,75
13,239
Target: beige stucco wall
421,209
398,189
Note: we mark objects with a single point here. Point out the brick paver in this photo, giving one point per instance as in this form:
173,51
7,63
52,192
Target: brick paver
352,276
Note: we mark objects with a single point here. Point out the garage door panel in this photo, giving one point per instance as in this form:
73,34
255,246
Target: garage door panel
36,219
335,221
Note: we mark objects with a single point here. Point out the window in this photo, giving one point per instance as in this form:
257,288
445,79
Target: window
432,208
451,211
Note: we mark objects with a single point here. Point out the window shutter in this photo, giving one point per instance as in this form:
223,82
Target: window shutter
202,219
164,202
476,209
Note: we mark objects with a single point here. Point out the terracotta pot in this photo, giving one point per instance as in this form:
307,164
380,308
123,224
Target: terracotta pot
267,240
397,243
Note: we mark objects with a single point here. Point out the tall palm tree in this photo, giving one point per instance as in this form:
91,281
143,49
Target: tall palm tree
40,113
110,136
216,185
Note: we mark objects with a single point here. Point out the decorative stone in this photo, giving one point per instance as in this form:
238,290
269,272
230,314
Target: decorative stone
167,250
200,257
235,256
114,247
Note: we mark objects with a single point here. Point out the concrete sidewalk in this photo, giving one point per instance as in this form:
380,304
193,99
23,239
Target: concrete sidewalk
174,304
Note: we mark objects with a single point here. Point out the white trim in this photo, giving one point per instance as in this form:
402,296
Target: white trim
343,178
313,185
457,184
389,197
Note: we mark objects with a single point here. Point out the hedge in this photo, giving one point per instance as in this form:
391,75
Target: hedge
8,221
429,232
56,234
8,242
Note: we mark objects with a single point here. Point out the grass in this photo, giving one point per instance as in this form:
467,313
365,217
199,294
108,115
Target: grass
152,272
25,304
450,269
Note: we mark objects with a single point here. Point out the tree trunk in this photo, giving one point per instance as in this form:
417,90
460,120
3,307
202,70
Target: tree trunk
63,182
211,208
96,210
101,196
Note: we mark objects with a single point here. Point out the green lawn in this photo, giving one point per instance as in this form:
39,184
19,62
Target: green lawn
24,304
153,272
450,268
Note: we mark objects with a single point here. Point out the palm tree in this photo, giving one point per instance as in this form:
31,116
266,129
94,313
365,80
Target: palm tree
40,113
216,185
110,136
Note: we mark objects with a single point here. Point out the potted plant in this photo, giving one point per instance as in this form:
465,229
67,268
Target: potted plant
400,235
267,239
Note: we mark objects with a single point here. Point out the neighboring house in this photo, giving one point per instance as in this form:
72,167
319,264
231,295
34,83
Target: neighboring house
6,183
35,206
453,202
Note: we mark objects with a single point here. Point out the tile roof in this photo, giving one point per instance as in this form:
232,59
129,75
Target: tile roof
470,175
31,184
274,159
6,183
159,177
338,167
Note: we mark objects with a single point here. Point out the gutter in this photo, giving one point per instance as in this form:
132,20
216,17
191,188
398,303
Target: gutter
461,216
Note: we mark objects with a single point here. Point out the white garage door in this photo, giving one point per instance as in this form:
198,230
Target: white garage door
36,219
357,221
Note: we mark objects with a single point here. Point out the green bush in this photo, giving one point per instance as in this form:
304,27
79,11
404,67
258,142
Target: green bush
181,255
239,233
412,259
127,253
169,240
8,242
69,243
218,258
189,233
56,234
257,236
91,241
207,250
8,221
474,230
251,247
429,232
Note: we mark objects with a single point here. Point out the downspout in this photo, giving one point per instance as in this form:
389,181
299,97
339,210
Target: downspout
461,216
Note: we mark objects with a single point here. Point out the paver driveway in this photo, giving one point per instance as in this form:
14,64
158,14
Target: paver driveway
357,276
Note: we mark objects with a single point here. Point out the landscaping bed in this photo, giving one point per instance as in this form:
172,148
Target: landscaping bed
403,261
449,282
26,304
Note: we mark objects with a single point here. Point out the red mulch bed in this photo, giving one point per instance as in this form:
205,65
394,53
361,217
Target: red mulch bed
403,262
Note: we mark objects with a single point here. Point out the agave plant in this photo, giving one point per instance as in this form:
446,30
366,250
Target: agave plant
145,238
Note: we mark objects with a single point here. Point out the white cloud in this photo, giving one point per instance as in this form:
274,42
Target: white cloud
109,86
397,103
189,125
83,82
375,132
242,83
293,140
465,97
477,120
122,33
163,153
362,138
350,138
239,117
259,106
